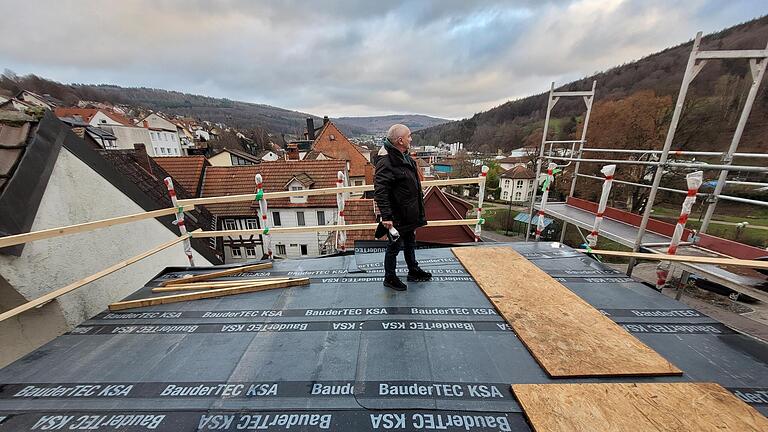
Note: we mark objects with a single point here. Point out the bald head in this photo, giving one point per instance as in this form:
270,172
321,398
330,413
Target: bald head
400,136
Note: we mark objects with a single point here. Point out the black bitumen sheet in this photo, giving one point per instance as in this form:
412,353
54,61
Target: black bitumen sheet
345,354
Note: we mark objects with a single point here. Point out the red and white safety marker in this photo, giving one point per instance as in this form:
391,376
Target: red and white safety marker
480,198
694,180
180,220
547,179
266,236
341,235
608,171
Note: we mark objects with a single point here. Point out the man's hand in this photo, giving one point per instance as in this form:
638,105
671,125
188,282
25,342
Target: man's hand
387,224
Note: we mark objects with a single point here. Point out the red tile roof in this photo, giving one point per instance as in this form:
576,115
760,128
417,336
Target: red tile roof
235,180
230,180
87,114
519,172
341,148
186,170
359,211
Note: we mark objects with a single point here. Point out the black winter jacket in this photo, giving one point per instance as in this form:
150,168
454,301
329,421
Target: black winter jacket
397,189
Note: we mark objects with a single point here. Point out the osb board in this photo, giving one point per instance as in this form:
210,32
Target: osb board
652,407
565,334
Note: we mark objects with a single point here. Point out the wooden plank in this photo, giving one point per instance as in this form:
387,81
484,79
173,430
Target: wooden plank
647,407
221,292
207,276
683,258
305,229
312,192
202,286
565,334
75,285
84,227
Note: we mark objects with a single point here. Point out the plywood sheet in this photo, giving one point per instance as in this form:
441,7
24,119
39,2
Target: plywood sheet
651,407
565,334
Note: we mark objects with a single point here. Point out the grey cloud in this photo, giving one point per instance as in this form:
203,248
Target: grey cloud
447,58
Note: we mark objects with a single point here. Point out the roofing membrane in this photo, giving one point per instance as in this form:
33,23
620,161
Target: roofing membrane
345,353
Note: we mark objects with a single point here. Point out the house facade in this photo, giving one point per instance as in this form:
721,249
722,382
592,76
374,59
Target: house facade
280,175
164,136
126,134
517,184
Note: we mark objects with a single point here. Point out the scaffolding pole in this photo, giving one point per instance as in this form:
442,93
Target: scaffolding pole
757,70
674,152
691,69
608,171
480,195
341,235
180,220
266,236
694,181
552,99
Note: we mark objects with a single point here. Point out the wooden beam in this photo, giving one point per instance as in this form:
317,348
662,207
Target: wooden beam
304,229
313,192
83,227
682,258
221,292
200,287
207,276
567,336
75,285
640,407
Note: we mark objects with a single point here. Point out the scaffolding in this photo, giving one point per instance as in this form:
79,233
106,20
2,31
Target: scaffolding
666,157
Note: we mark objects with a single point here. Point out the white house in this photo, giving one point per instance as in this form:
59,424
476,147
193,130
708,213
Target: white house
163,135
280,175
517,184
125,132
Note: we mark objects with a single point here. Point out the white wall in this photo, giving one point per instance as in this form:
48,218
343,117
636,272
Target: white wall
289,218
516,190
77,194
165,143
127,136
222,159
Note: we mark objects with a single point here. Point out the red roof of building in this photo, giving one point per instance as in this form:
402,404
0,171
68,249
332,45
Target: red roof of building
437,206
87,114
359,211
187,170
519,172
230,180
235,180
332,142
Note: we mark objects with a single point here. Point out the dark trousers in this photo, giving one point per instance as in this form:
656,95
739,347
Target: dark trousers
406,241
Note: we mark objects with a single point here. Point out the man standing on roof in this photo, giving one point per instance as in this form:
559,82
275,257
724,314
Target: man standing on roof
397,191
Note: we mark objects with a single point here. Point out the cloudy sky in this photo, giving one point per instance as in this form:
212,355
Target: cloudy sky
446,58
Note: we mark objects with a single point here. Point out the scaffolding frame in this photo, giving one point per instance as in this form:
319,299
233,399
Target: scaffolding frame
552,99
758,59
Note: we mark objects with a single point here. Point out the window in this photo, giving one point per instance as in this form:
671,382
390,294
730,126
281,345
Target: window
518,196
230,224
321,218
506,182
505,196
236,252
280,249
519,183
250,252
297,188
251,224
276,218
304,250
359,182
300,218
162,150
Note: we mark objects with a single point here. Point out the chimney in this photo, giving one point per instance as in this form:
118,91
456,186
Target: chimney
293,151
142,157
325,120
146,124
310,129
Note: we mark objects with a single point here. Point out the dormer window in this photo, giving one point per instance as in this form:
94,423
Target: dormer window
298,183
332,137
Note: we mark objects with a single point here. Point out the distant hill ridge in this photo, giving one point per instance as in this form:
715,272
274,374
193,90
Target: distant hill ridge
721,84
244,115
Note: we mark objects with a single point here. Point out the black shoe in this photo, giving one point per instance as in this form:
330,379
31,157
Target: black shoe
418,275
395,283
